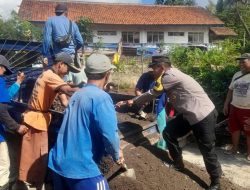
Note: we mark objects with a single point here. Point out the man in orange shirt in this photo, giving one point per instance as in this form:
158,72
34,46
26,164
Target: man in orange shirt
33,163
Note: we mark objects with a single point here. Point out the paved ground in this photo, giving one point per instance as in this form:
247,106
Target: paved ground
236,168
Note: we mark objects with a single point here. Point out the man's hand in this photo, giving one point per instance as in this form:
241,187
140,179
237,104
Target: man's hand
22,129
45,62
122,103
20,77
121,160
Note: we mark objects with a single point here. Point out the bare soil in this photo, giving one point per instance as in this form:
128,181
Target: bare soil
152,170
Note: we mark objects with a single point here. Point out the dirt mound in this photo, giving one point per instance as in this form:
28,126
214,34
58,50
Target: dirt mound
125,183
152,170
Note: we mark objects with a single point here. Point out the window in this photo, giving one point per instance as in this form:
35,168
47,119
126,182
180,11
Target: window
106,33
131,37
155,37
196,37
175,33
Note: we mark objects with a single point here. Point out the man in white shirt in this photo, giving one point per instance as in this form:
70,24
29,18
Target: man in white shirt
237,104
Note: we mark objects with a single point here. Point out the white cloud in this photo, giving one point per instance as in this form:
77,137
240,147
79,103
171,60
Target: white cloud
6,6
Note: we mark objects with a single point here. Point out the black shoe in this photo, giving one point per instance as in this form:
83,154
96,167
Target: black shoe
214,187
178,165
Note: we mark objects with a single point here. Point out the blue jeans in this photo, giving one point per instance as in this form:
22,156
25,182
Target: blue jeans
94,183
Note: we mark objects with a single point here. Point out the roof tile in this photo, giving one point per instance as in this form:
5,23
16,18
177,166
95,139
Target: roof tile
128,14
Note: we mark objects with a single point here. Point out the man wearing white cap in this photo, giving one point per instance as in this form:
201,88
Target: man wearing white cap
89,128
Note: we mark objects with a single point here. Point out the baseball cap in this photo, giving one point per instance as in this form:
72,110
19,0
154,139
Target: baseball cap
157,59
5,63
66,58
98,63
244,56
61,8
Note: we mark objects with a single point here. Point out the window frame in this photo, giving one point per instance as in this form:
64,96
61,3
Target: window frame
197,37
131,37
155,37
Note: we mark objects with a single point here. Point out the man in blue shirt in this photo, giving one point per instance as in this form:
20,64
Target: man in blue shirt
88,131
55,28
6,120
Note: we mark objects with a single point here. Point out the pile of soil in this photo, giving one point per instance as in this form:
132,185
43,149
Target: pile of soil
152,170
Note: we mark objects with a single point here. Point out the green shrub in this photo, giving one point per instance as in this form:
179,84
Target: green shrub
213,69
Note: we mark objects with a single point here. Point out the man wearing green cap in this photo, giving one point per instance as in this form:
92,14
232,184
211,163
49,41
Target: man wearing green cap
88,131
238,100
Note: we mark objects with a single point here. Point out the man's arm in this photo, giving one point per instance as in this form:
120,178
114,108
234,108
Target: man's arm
9,122
13,89
63,99
66,89
138,92
107,126
227,101
47,36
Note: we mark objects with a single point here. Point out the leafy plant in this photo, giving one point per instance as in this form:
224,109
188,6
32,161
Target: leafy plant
17,29
213,69
85,25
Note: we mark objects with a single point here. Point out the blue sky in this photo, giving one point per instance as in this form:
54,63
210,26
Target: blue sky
7,5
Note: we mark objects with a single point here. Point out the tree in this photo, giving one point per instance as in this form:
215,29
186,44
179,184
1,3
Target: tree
211,7
85,26
16,29
240,10
219,6
175,2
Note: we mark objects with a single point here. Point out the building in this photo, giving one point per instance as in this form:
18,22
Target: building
136,24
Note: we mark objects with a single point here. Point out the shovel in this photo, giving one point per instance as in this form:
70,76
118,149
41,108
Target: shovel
122,171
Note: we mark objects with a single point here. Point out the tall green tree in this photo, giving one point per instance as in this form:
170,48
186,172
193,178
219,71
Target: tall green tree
219,6
235,14
175,2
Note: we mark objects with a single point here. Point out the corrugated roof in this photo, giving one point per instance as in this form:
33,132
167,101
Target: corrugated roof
125,14
223,31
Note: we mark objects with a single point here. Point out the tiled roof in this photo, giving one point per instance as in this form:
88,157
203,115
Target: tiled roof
223,31
128,14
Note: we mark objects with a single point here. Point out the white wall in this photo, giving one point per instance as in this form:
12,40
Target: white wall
107,39
143,33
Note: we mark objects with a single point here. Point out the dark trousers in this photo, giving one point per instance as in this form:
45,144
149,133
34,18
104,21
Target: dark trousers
205,136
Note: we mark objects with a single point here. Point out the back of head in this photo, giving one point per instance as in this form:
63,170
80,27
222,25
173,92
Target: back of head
61,8
97,65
